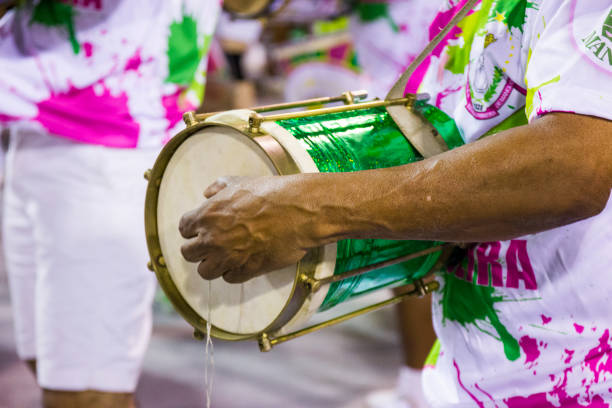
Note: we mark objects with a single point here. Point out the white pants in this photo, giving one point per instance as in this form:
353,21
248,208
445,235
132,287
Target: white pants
76,257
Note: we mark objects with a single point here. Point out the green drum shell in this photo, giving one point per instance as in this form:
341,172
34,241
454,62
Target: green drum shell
362,140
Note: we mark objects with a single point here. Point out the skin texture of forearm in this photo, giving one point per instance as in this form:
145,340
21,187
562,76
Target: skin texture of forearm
553,172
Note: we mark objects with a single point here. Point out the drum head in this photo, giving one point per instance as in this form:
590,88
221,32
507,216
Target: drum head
210,153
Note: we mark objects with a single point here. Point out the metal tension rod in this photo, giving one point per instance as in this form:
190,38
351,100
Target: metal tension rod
346,97
255,120
266,342
315,284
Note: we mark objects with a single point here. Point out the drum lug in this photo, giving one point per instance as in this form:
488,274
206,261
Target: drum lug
422,289
147,175
150,266
198,335
255,121
190,118
312,285
161,261
264,342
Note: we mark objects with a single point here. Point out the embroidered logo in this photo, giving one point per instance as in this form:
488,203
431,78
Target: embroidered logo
598,43
488,90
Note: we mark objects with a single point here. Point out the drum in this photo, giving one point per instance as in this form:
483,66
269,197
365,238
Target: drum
355,136
294,11
317,65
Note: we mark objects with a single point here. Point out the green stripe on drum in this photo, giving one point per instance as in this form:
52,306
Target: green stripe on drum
362,140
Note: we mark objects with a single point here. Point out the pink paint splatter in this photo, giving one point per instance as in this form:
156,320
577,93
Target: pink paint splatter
530,348
533,401
545,319
570,354
444,94
339,52
579,328
484,392
440,21
7,118
175,106
88,48
479,403
598,359
134,62
89,116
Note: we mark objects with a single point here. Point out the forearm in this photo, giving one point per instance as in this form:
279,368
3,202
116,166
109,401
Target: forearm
518,182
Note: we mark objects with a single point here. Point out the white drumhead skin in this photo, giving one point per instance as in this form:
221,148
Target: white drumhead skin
209,154
213,152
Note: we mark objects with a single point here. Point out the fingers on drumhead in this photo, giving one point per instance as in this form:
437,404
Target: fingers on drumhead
218,185
194,250
235,276
187,225
209,269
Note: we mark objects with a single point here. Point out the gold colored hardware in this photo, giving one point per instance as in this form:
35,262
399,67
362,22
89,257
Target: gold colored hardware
198,335
190,118
348,98
150,266
408,100
147,175
255,121
360,271
312,285
345,98
264,342
161,261
420,288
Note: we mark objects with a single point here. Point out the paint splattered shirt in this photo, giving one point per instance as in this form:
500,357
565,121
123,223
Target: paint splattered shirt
113,72
527,322
380,30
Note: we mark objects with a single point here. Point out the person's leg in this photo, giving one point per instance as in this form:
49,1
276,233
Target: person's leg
66,399
93,292
19,254
416,330
417,337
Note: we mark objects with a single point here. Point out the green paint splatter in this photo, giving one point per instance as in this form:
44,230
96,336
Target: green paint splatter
532,91
371,11
513,13
518,118
459,54
183,52
498,75
434,353
53,13
468,304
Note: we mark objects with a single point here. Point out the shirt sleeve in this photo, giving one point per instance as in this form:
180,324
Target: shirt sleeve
569,65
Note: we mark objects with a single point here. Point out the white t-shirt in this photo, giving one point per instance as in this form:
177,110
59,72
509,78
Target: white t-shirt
527,322
113,72
388,36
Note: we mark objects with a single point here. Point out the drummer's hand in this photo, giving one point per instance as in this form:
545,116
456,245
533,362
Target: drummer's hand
247,227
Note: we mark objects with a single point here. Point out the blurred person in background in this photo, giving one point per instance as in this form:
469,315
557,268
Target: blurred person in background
89,91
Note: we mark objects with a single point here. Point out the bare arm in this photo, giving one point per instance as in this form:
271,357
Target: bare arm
553,172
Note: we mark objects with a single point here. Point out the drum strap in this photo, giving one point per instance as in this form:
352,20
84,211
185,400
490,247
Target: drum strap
413,128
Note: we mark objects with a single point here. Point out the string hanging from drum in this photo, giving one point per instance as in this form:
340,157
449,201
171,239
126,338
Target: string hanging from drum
209,351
